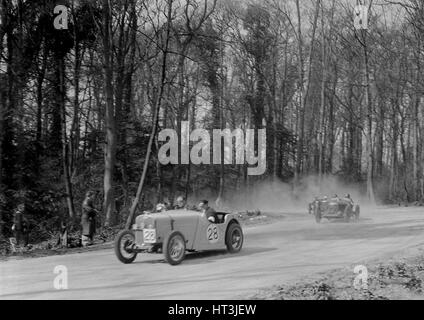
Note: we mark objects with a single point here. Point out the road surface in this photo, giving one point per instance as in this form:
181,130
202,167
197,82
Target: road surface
290,249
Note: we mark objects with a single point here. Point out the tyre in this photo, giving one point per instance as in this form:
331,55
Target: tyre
317,214
234,238
123,244
174,248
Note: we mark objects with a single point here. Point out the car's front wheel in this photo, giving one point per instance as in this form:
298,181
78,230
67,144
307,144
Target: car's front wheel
174,248
234,238
123,247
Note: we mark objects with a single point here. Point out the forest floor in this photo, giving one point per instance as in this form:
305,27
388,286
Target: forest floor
104,240
400,277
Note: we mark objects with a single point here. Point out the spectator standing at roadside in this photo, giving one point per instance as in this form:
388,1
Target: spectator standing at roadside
88,219
20,225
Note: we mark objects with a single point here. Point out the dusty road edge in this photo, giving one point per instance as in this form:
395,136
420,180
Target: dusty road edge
397,276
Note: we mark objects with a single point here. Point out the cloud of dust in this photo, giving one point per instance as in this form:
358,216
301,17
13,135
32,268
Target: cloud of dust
277,196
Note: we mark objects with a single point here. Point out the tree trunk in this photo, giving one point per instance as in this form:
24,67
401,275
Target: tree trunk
61,96
3,97
304,86
219,200
379,141
75,133
415,132
110,121
321,155
40,81
369,131
394,162
156,110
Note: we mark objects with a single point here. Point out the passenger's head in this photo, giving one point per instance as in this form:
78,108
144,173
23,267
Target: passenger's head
21,207
181,202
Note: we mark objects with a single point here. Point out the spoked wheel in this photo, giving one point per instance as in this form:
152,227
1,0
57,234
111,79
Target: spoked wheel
123,247
174,248
234,238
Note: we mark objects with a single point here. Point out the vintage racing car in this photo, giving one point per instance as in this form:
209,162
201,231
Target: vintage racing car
176,232
335,208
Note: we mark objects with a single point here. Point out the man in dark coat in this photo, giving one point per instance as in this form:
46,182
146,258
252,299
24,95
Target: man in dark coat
88,219
20,225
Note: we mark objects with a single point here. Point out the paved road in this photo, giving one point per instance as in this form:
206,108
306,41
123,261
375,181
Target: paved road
273,254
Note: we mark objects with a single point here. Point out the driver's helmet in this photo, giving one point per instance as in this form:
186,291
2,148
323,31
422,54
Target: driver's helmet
347,195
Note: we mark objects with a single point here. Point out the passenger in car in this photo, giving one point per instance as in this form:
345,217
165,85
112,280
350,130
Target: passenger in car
348,199
180,204
161,207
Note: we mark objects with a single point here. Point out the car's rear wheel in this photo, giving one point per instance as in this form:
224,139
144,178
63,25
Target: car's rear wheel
234,238
174,248
123,247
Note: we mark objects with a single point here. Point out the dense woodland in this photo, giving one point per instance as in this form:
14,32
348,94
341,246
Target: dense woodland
81,108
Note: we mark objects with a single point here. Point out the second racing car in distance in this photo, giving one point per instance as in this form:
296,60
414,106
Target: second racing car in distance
334,209
174,233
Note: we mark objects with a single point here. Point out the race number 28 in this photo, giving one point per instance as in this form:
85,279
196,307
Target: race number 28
212,234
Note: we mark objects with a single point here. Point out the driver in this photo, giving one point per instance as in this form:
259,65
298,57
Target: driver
348,198
208,212
180,204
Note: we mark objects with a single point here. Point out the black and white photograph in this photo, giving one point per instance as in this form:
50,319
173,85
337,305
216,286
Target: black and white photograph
212,155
